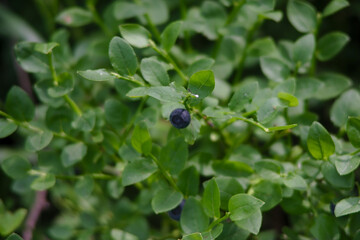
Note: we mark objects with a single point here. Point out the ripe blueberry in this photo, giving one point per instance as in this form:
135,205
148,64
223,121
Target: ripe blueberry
176,212
180,118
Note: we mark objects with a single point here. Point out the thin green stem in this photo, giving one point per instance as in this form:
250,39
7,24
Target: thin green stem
313,59
165,173
249,38
166,56
129,78
236,8
73,105
100,176
97,18
217,221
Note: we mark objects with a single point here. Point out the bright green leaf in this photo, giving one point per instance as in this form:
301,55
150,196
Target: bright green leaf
242,206
9,222
170,34
202,83
252,223
154,72
97,75
45,48
137,171
14,236
193,236
347,206
122,57
141,139
135,34
211,199
295,182
243,96
319,142
346,164
345,106
274,69
290,100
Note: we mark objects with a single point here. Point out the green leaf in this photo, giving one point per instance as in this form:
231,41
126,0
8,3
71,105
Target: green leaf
59,119
330,45
301,15
45,48
325,228
334,6
38,141
193,236
347,206
98,75
202,83
290,100
116,113
193,218
15,167
295,181
270,193
242,206
41,90
141,139
84,186
252,223
135,34
137,171
201,64
6,128
137,92
9,222
353,131
122,57
345,106
213,233
346,164
232,168
74,17
165,200
64,86
304,49
157,9
269,110
14,236
333,85
174,155
228,187
274,69
164,94
19,105
243,96
154,72
117,234
29,59
211,199
319,142
73,153
332,176
85,122
188,181
307,87
262,47
125,10
170,34
43,182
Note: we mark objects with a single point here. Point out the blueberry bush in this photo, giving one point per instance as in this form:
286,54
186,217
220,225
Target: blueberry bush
162,119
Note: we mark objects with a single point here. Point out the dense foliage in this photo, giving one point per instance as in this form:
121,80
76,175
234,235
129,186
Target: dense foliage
192,120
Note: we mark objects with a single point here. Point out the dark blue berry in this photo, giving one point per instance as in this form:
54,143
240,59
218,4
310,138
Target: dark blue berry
176,212
180,118
332,208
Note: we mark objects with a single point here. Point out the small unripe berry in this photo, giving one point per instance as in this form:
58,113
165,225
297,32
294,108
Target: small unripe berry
180,118
176,212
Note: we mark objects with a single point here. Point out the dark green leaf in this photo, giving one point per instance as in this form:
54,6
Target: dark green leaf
307,87
59,119
170,34
174,155
125,10
188,181
269,110
211,199
73,153
122,57
295,182
31,60
330,45
347,206
116,113
228,187
335,179
64,86
85,122
333,85
154,72
325,228
232,168
74,17
165,200
157,9
252,223
353,131
301,15
319,142
202,83
135,34
334,6
164,94
6,128
43,182
270,193
137,171
193,217
16,167
97,75
14,236
19,105
84,186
